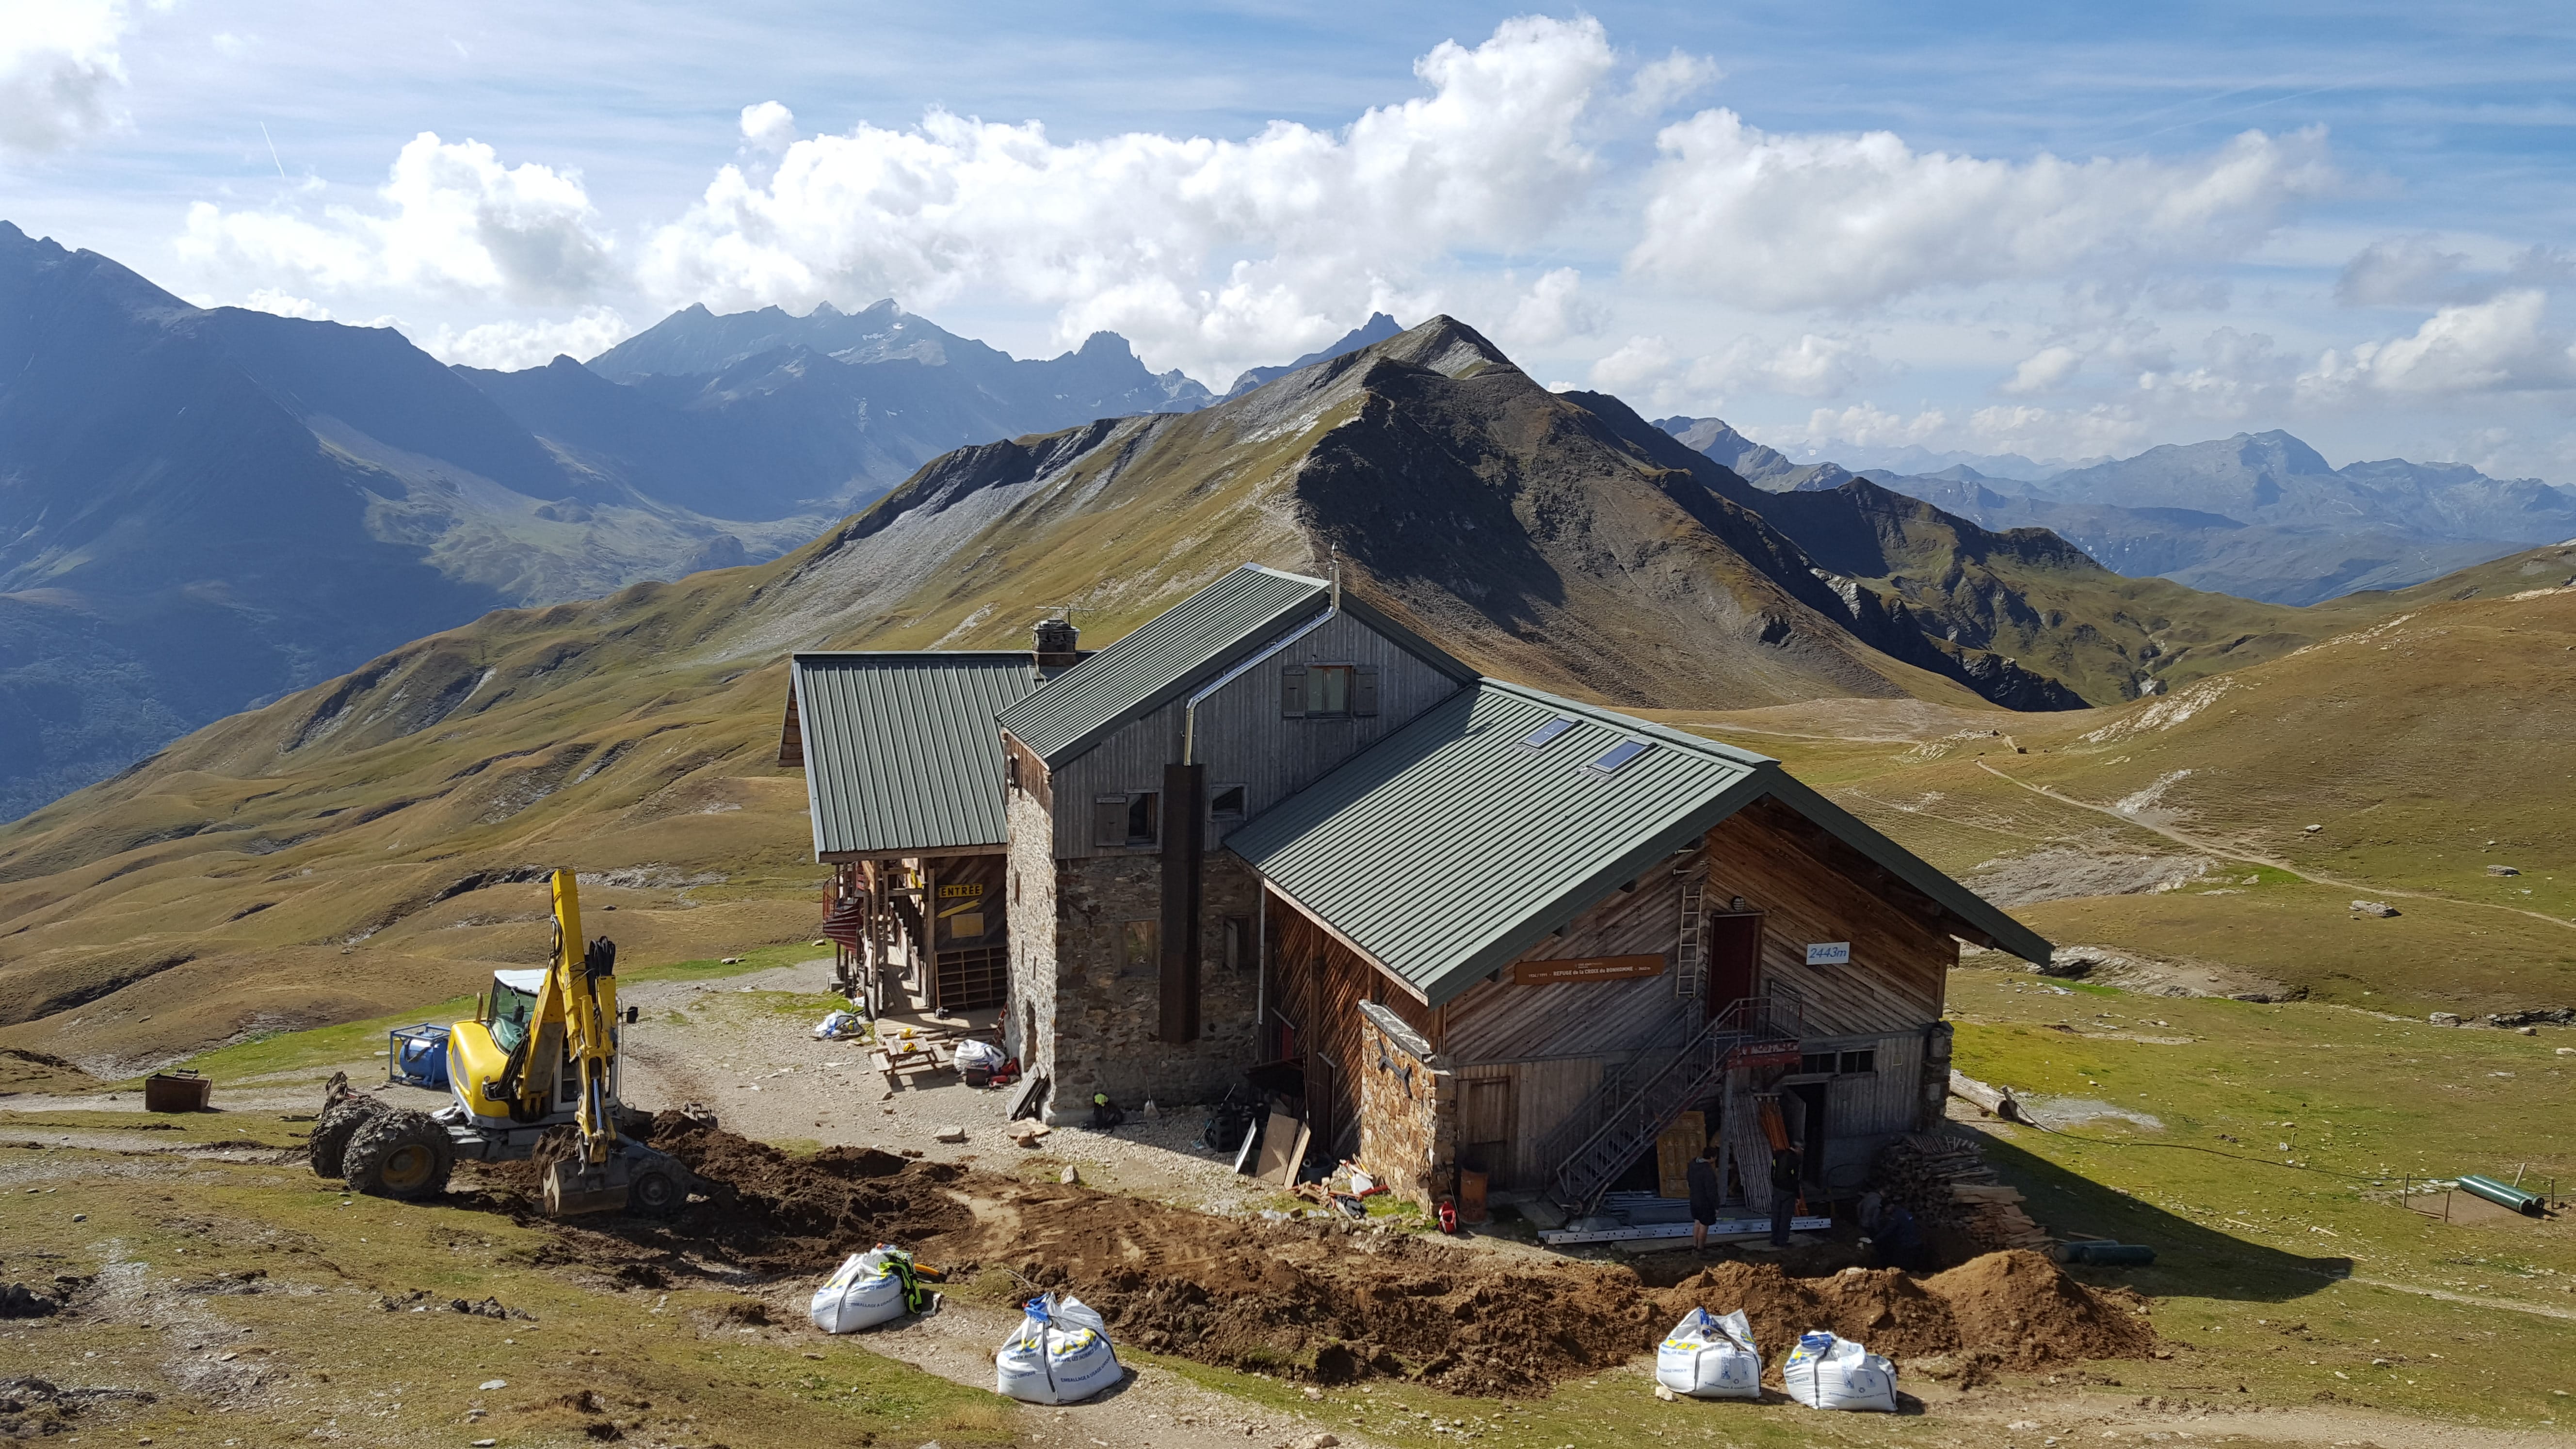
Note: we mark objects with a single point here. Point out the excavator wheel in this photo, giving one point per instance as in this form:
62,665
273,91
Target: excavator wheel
654,1193
399,1154
339,1121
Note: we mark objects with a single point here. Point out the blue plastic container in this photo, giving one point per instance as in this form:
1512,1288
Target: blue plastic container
419,1056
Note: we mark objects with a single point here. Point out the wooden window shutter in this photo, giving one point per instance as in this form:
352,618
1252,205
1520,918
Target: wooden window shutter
1364,690
1109,820
1292,692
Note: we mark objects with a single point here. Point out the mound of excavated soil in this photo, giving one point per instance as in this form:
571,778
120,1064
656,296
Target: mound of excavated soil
1315,1300
2012,1309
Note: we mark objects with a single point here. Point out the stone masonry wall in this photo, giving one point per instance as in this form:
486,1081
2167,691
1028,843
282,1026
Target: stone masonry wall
1408,1117
1105,1001
1028,1014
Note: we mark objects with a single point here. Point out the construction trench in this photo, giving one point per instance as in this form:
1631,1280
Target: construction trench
1322,1301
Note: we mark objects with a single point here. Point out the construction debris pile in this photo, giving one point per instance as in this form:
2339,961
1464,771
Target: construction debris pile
1319,1300
1945,1182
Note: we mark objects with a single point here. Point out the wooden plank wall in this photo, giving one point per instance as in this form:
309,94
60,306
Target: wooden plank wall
1497,1021
1899,964
1242,738
1543,1092
1318,985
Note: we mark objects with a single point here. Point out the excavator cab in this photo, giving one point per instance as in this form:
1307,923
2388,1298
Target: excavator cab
532,1075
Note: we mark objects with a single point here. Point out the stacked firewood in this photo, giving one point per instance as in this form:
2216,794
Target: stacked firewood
1944,1181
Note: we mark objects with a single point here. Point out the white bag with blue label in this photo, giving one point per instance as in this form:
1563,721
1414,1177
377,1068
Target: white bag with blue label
1826,1372
1059,1354
866,1291
1708,1357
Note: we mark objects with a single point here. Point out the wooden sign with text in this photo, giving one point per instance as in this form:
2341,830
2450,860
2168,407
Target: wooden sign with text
1587,968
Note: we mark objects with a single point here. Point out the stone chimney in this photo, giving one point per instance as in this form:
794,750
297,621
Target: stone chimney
1058,645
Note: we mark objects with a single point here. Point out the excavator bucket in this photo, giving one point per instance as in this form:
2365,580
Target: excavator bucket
635,1179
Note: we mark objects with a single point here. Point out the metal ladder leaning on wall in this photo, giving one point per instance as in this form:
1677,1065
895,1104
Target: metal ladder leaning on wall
1634,1105
1690,957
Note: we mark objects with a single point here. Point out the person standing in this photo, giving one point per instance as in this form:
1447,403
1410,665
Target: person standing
1784,1193
1702,1174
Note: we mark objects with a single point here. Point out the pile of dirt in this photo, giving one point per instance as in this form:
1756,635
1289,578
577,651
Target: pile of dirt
2013,1309
2020,1307
1325,1301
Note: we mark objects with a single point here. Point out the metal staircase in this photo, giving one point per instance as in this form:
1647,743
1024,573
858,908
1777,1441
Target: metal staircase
1635,1103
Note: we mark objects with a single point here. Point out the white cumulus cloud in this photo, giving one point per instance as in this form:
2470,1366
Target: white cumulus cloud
2046,370
2501,345
454,221
62,77
510,346
1825,220
1650,370
1207,253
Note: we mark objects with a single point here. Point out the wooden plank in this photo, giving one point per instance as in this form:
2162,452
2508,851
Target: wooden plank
1281,1133
1675,1148
1588,968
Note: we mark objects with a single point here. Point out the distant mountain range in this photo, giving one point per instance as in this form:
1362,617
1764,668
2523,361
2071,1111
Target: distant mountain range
202,509
2259,515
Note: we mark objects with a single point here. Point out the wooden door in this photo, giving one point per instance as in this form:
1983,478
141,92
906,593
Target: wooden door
1674,1148
1485,1128
1734,958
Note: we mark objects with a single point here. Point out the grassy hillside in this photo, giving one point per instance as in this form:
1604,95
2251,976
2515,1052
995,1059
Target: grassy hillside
2426,746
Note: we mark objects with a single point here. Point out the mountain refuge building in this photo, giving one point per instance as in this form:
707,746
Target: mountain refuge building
1471,926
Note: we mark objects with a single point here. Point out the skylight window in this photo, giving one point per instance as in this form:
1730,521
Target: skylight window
1547,732
1620,754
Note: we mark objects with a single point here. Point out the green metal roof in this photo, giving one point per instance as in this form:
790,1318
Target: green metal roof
1182,648
1452,846
901,753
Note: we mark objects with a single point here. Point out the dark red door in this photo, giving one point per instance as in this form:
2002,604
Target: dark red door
1734,958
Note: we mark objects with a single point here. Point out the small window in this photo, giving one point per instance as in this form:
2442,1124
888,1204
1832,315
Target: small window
1859,1062
1817,1063
1328,690
1547,733
1144,818
1226,803
1620,754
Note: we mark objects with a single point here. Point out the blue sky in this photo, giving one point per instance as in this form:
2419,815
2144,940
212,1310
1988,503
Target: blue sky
1849,228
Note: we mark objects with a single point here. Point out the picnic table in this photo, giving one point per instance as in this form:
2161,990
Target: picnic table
894,1057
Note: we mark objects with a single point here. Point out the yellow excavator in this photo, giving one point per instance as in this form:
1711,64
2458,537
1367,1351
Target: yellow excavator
533,1075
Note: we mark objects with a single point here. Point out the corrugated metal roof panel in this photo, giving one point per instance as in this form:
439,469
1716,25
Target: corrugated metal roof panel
901,752
1452,846
1449,847
1175,651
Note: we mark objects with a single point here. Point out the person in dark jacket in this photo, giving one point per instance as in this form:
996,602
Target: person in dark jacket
1704,1194
1899,1239
1785,1171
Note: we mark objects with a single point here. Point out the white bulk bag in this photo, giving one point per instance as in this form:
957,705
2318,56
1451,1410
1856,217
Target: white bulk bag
974,1053
1826,1372
1708,1357
864,1293
1059,1354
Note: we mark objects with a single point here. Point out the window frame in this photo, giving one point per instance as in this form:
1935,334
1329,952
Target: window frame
1241,804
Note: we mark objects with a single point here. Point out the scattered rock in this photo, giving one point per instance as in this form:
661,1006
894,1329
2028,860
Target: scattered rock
2446,1018
1072,1175
2313,829
2502,870
489,1308
733,960
951,1134
2381,909
489,1385
1665,1394
2528,1030
1316,1441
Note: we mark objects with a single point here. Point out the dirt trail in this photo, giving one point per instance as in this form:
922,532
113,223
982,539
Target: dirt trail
1326,1302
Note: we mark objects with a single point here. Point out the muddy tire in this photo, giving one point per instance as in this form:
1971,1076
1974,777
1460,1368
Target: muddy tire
332,1130
399,1154
654,1193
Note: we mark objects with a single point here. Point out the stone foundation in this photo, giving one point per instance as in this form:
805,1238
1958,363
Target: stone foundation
1408,1111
